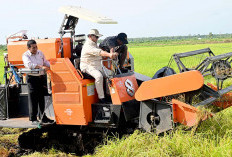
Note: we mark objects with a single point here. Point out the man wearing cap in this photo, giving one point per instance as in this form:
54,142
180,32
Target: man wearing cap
91,56
118,43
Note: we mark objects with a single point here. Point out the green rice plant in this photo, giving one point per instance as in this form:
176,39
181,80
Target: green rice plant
212,138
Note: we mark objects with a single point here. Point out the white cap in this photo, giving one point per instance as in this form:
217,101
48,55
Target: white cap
94,32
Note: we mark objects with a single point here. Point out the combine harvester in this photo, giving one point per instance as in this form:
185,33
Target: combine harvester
134,100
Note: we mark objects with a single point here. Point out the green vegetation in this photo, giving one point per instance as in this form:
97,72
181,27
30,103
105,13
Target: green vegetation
149,59
212,138
9,141
2,50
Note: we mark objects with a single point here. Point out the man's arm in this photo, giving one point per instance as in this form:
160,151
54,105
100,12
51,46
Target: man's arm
27,62
99,52
111,55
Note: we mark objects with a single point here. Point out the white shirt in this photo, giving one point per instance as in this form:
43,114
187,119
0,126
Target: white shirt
90,55
32,60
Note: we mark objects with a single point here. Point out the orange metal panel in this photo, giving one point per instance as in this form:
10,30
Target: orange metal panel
69,114
187,114
66,87
64,76
72,95
89,97
66,47
59,67
50,48
169,85
15,51
66,97
225,101
184,113
119,89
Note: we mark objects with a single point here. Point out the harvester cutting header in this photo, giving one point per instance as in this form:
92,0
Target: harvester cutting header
132,100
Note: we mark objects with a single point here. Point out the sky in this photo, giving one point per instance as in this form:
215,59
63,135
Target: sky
137,18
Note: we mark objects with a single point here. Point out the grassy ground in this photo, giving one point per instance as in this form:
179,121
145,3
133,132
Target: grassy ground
211,138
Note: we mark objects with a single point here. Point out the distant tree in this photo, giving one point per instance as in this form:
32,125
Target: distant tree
210,35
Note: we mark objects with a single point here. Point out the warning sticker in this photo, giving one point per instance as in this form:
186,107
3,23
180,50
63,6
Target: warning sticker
90,89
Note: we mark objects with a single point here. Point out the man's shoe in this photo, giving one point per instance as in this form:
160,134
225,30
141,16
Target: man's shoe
35,122
103,101
47,120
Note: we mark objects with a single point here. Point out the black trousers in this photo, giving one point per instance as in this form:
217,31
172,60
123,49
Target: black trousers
36,93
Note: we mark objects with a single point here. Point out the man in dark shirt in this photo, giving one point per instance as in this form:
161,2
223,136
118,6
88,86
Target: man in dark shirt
118,43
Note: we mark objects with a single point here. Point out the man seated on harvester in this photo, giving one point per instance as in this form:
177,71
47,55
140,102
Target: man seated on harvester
118,44
91,56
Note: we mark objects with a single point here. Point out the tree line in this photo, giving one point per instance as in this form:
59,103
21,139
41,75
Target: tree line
169,38
188,37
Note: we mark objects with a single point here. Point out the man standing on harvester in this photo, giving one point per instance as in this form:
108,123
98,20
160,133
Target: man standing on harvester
118,43
91,56
35,59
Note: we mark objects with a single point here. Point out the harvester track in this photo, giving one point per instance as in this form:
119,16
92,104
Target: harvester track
72,140
81,140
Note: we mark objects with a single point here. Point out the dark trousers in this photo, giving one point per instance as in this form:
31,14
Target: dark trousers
36,92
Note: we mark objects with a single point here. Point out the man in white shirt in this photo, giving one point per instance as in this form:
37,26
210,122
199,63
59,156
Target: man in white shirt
35,59
91,56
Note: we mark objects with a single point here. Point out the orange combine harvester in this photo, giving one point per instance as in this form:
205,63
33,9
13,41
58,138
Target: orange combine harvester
134,100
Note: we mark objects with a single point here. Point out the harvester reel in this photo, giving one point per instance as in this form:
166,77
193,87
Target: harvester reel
221,69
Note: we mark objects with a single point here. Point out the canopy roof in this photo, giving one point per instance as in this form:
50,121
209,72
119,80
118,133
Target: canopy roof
86,14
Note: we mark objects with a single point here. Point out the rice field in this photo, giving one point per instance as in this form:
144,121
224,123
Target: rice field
150,59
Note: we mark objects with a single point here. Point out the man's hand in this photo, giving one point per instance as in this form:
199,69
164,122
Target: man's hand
42,67
114,55
45,68
112,50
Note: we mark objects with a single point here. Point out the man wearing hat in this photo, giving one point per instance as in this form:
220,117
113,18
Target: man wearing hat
118,43
91,56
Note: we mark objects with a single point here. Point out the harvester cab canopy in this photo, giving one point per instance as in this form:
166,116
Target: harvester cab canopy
82,13
74,13
71,17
